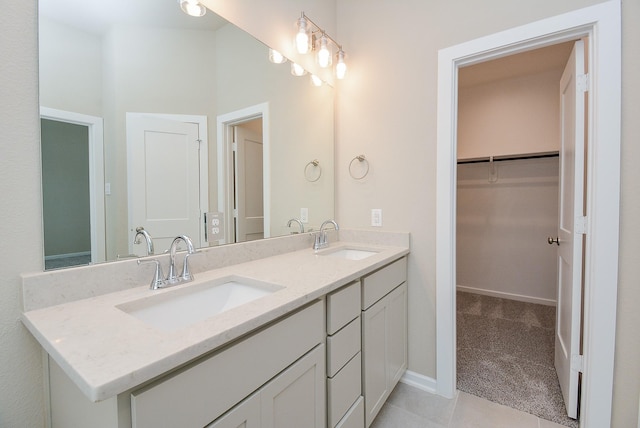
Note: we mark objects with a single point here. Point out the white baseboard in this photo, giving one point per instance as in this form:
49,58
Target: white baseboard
425,383
503,295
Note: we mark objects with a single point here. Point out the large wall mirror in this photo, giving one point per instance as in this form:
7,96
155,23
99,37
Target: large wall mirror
157,121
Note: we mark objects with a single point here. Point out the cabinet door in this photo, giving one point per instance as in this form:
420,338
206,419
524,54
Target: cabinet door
374,358
296,397
244,415
384,349
397,351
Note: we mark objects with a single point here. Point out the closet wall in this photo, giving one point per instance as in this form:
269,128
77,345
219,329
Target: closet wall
505,215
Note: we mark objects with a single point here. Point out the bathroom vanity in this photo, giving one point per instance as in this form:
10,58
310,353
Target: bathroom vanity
323,346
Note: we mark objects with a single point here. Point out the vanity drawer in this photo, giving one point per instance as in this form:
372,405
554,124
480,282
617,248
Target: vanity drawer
343,390
342,346
381,282
354,417
343,306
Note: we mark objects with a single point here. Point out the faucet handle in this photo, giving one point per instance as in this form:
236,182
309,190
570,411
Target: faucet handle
186,273
158,280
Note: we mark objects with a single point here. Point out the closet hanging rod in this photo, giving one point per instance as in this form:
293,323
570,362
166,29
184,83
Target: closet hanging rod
508,158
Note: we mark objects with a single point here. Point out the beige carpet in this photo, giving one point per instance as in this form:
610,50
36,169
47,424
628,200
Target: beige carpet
505,355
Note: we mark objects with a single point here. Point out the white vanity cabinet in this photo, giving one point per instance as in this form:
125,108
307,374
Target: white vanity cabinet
384,334
280,368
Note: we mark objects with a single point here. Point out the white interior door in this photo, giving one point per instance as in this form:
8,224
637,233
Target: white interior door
249,188
570,228
163,180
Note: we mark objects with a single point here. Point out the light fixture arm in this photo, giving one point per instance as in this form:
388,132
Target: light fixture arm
316,29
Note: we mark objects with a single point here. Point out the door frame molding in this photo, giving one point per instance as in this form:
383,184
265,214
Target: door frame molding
96,174
601,23
225,123
203,160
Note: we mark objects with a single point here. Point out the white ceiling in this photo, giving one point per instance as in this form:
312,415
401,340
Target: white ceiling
96,16
532,62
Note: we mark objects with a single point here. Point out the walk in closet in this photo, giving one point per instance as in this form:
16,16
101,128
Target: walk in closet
508,142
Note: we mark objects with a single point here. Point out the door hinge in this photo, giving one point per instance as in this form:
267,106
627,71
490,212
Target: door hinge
577,363
234,146
582,81
580,226
235,212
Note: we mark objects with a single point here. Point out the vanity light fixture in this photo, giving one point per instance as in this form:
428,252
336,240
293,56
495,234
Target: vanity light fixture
297,69
303,36
192,7
341,66
324,52
311,37
276,57
315,80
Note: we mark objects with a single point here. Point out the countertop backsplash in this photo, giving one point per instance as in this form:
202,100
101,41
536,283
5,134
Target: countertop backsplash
44,289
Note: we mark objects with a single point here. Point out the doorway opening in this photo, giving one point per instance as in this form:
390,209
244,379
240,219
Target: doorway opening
507,206
243,175
602,190
73,188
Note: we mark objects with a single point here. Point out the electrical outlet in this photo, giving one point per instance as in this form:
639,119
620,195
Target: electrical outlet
376,217
304,215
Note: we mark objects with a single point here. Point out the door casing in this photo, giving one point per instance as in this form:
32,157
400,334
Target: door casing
601,23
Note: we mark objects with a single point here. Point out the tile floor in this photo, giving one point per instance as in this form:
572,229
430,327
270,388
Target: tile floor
409,407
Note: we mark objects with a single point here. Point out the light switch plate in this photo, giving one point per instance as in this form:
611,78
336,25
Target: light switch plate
304,215
376,217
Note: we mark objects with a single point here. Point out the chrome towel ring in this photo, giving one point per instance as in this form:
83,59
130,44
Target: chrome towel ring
364,164
309,171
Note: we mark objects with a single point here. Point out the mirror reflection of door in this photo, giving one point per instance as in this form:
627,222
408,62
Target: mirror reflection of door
248,181
164,180
65,190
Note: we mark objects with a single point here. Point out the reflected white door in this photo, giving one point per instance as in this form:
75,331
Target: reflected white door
570,228
163,180
249,188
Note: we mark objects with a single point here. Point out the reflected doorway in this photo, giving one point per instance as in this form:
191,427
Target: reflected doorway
248,181
243,175
72,189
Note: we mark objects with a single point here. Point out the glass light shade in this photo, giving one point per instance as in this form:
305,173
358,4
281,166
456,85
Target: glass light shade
276,57
315,80
303,37
297,70
341,66
323,57
192,7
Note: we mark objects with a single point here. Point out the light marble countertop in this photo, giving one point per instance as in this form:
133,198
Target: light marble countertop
106,351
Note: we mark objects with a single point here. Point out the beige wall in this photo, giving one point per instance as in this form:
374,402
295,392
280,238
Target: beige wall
21,387
502,228
387,110
627,362
509,116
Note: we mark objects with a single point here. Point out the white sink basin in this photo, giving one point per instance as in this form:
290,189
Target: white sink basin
350,253
186,306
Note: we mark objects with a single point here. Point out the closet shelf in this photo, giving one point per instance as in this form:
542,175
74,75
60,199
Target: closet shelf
509,157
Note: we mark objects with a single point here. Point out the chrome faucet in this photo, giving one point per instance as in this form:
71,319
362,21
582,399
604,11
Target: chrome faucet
186,276
158,280
136,240
321,237
296,221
